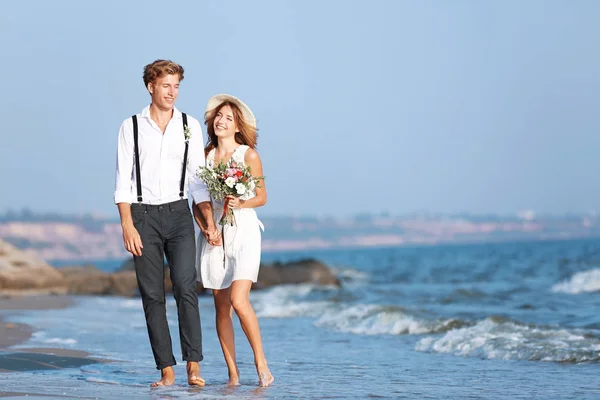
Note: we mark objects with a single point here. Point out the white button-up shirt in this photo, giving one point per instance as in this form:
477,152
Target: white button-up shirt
161,160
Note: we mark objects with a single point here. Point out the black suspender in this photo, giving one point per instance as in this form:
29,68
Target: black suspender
138,178
182,183
137,158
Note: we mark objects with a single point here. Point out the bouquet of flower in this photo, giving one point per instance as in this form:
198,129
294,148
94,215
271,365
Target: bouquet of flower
222,180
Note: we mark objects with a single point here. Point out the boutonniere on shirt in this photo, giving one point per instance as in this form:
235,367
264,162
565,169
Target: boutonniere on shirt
187,133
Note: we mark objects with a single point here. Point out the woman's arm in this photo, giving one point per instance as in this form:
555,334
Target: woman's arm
252,159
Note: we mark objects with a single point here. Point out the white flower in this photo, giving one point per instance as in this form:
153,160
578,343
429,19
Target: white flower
238,157
240,188
187,133
230,181
214,175
251,184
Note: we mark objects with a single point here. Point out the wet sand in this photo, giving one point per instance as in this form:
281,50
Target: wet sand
12,334
33,302
33,359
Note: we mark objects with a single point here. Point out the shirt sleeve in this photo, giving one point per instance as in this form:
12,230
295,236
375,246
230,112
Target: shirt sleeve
123,181
197,188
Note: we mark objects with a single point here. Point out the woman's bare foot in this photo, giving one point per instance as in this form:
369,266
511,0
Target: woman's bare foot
167,377
234,379
264,376
193,372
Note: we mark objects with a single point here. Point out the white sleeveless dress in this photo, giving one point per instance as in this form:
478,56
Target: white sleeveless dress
242,242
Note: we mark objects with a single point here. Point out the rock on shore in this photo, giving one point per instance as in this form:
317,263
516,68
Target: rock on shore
23,273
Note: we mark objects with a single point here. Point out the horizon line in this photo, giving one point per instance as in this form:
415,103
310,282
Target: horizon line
521,214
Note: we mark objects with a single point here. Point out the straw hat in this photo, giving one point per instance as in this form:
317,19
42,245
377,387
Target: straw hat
219,99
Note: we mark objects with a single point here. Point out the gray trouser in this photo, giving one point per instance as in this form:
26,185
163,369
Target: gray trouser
168,229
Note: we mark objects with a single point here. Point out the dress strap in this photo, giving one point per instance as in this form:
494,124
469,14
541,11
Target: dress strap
210,158
242,148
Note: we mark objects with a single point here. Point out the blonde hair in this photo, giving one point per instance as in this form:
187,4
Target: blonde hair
160,68
247,132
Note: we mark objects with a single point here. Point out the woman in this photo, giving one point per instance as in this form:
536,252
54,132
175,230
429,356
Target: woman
231,268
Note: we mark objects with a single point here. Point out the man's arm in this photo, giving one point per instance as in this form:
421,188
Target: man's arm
131,237
203,215
123,185
203,212
211,233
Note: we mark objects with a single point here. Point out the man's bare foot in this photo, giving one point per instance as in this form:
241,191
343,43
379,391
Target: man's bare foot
193,372
167,377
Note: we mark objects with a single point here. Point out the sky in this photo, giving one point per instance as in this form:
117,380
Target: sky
362,106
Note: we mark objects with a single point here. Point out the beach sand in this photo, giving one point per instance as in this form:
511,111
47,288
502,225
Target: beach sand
33,359
13,334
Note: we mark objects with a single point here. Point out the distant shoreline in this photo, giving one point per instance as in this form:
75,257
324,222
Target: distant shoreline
58,263
84,240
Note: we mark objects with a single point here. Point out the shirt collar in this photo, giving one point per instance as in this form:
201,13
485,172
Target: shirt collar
146,112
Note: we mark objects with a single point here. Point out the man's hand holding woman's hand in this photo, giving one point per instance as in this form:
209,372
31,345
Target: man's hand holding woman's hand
213,236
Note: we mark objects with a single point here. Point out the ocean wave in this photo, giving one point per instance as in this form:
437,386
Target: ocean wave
292,309
103,381
135,304
41,337
370,319
463,295
60,341
581,282
366,319
286,302
497,338
351,275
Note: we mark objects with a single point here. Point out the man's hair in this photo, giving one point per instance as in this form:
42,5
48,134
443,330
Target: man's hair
160,68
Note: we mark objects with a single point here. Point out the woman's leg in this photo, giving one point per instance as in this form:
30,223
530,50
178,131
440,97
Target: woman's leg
225,332
240,300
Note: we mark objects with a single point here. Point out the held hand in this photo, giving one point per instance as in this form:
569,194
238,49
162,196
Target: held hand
234,202
213,236
132,240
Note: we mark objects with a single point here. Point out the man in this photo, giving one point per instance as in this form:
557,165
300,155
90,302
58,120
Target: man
159,152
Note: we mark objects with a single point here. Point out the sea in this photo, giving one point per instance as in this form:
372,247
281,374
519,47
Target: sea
485,321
